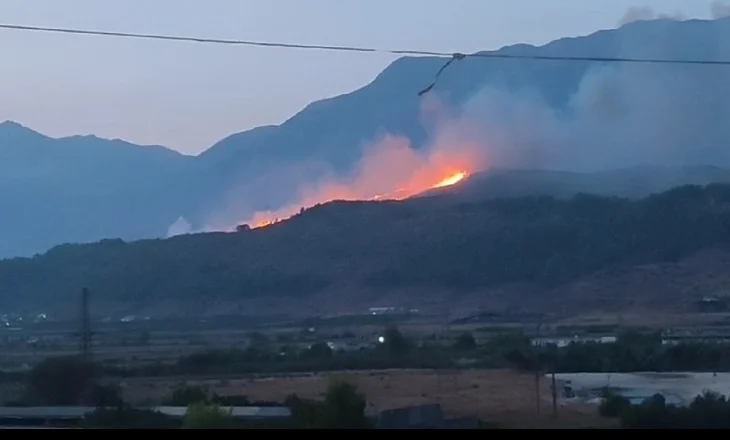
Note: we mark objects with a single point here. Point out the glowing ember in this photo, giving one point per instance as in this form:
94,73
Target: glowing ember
451,180
264,223
263,220
404,193
398,194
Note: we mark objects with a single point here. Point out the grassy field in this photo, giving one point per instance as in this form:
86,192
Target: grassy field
504,397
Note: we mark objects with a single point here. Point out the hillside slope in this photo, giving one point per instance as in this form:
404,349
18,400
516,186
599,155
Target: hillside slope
634,182
534,114
360,252
530,115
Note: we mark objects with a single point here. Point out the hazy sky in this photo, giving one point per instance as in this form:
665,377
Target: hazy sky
187,96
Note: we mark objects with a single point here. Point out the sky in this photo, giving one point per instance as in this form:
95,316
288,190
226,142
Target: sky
187,96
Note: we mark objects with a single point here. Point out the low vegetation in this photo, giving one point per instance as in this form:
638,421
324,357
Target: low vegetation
412,243
343,407
129,418
71,381
707,411
632,351
67,381
206,416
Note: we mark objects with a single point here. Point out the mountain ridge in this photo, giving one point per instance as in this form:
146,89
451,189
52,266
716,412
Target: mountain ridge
15,128
414,253
142,191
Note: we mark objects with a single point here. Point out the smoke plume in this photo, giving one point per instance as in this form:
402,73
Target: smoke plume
619,117
390,169
616,116
645,13
719,9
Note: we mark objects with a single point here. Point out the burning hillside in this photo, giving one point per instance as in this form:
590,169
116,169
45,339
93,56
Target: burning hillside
392,171
415,187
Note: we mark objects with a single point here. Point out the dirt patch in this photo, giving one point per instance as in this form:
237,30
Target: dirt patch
505,397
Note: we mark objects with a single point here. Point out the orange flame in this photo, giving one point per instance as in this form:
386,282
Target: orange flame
451,180
390,170
264,223
262,220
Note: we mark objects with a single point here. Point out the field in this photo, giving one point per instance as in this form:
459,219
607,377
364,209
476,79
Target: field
503,397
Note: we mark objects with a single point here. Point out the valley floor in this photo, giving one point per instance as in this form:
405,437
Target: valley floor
503,397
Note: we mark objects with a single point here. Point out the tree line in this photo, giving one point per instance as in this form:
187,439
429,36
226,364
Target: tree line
343,407
417,242
707,411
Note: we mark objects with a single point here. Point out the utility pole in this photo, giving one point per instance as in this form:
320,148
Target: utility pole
555,394
537,389
537,367
85,335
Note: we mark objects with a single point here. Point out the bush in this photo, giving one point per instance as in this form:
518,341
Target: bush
613,405
187,396
128,418
708,411
203,416
465,342
342,408
60,381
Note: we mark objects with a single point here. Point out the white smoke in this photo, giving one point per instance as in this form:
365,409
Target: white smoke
719,9
180,227
646,13
620,115
390,168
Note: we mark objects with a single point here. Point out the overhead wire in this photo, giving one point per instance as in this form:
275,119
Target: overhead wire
452,56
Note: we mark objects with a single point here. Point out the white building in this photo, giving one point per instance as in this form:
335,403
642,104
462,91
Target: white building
564,341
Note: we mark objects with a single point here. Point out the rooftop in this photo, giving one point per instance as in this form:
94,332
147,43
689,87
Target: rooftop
78,412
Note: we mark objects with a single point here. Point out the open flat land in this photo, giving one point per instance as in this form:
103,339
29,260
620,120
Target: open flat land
504,397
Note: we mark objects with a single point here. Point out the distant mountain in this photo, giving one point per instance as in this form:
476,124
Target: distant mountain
557,115
83,189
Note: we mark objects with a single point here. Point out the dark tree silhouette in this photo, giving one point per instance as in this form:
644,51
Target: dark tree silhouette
60,381
465,342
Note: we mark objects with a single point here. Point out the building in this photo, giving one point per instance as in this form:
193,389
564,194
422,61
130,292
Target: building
383,310
564,341
72,415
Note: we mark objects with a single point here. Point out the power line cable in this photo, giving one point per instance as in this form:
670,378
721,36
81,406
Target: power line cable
453,56
215,40
496,55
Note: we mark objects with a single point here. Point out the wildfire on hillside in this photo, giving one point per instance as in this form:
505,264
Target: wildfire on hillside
420,182
451,180
403,193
